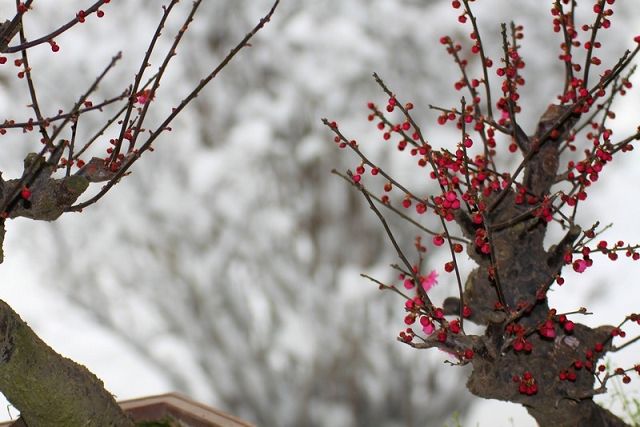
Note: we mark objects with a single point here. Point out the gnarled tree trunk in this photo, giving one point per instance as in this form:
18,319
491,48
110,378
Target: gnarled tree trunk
47,388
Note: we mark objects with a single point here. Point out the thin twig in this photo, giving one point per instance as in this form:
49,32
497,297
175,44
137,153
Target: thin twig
53,34
395,244
192,95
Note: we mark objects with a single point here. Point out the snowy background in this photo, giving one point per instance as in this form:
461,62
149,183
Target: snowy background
227,266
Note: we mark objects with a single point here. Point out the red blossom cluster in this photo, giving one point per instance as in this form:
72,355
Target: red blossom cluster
526,383
472,194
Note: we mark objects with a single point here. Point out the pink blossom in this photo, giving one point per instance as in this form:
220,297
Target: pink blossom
547,329
430,281
427,325
408,284
144,96
580,265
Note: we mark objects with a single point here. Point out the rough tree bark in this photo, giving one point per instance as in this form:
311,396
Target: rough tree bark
49,389
523,273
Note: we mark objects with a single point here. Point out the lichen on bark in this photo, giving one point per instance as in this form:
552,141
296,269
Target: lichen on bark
49,389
